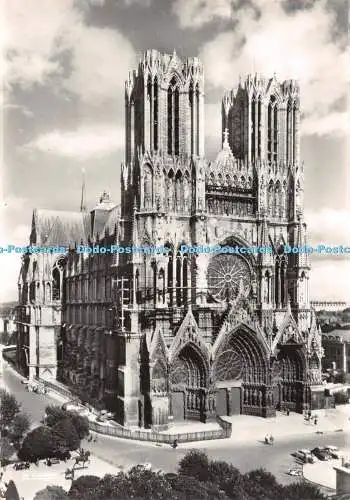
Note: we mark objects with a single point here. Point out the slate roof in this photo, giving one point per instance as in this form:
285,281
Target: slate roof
58,227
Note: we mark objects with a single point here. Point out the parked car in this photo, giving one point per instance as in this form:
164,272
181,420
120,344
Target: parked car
333,451
295,472
305,456
21,465
321,454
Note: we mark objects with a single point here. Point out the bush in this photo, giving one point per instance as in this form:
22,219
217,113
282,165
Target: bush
66,434
302,491
52,493
39,443
195,464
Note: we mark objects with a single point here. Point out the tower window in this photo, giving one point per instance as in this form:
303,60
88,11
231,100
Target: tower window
155,114
173,117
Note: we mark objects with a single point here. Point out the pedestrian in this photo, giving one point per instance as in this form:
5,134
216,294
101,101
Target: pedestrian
287,412
315,421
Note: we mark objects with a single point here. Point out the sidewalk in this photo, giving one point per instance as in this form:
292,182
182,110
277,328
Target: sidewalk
246,428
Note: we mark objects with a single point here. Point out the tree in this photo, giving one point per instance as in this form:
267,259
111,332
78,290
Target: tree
186,487
19,426
9,408
148,484
52,493
66,434
84,487
39,443
11,492
55,414
227,477
6,450
261,485
80,423
195,464
302,491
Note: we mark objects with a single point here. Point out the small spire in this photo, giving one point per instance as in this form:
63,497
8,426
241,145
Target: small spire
225,143
83,193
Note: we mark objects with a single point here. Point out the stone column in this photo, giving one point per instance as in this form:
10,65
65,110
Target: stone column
201,124
131,380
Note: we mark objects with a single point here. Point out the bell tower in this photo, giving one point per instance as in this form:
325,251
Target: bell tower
263,119
164,106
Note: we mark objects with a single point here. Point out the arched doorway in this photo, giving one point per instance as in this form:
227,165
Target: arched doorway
240,371
188,383
287,378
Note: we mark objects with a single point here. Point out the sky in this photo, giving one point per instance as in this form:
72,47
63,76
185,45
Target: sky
63,67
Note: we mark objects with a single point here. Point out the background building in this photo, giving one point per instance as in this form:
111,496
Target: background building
184,334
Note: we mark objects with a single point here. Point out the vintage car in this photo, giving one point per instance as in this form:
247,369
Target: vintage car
321,454
333,451
305,456
21,465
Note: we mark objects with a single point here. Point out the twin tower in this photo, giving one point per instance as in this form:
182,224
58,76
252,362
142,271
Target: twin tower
165,112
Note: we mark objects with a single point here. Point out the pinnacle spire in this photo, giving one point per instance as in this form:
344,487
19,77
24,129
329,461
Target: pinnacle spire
225,144
83,193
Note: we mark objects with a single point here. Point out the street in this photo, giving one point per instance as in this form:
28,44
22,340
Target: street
276,459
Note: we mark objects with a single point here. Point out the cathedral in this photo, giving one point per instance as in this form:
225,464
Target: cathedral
174,335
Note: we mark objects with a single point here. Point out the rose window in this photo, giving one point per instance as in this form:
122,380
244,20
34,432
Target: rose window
228,273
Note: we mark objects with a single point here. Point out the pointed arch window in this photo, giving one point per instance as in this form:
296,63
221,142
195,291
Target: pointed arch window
185,271
191,97
253,132
173,117
170,273
277,283
197,121
272,130
283,282
178,279
57,279
155,114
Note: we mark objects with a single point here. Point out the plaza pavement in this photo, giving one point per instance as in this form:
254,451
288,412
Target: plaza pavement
30,481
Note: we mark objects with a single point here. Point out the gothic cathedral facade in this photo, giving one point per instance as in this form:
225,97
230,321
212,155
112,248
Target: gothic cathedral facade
192,333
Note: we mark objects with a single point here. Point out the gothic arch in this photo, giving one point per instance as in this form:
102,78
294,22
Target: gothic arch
241,355
288,372
189,368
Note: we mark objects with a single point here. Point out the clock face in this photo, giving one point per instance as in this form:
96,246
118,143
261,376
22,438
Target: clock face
226,274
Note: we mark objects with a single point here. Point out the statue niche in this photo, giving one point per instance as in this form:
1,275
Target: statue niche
148,186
